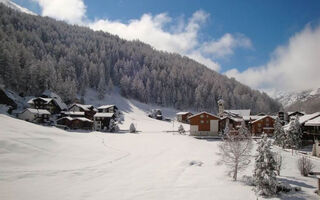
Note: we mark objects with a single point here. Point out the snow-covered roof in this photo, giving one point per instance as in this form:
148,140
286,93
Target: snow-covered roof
262,117
236,119
313,122
203,113
105,106
73,113
56,98
240,112
38,111
290,113
75,118
84,107
308,117
109,115
83,119
47,100
252,117
183,113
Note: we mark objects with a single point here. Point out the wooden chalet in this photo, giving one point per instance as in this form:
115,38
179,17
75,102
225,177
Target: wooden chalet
45,103
264,124
234,123
75,123
35,115
294,114
102,121
88,110
310,126
108,109
283,116
71,114
204,124
183,117
316,148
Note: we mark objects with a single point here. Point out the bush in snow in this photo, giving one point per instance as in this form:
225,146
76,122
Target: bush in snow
248,180
235,151
279,134
264,171
181,129
132,128
113,126
305,166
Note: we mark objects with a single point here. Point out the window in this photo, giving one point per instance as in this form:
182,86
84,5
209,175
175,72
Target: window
201,121
267,119
259,124
201,116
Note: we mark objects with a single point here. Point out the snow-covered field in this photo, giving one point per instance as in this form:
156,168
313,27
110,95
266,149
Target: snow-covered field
38,162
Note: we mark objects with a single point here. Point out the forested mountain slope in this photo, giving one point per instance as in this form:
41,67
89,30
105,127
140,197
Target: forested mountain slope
38,53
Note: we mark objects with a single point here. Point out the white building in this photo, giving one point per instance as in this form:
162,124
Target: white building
35,115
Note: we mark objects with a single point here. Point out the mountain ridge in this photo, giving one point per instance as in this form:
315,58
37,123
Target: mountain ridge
306,100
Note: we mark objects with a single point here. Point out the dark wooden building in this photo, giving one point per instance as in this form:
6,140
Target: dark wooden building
88,110
102,121
76,123
183,117
45,103
204,124
264,124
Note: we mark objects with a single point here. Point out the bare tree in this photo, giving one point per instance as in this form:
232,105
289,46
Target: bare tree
235,151
278,158
305,166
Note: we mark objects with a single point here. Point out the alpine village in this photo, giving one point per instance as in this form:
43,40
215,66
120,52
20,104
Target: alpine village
86,114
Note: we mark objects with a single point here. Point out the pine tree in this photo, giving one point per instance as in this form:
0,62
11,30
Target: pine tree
243,131
132,128
294,134
226,130
279,134
264,171
101,88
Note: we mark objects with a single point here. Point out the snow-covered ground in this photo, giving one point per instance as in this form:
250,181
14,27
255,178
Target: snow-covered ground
38,162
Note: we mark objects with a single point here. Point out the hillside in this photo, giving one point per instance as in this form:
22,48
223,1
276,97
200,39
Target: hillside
308,101
38,53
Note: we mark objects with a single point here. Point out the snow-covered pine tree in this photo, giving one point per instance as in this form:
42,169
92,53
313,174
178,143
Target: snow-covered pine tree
181,129
243,131
226,129
132,128
101,88
294,134
279,134
264,172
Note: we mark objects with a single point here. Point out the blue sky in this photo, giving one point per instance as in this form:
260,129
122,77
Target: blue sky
253,30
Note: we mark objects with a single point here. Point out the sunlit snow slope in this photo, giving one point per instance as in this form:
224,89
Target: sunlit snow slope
38,162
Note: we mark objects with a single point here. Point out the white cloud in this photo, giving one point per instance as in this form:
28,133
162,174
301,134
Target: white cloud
293,67
72,11
226,44
160,31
